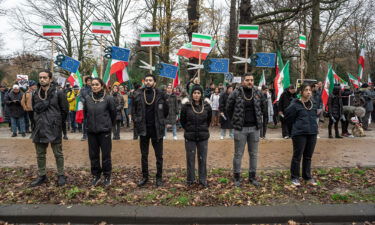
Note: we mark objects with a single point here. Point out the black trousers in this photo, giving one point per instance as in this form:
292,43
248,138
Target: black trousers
263,129
284,128
303,147
366,118
157,144
344,126
336,127
100,142
191,148
116,129
31,117
64,127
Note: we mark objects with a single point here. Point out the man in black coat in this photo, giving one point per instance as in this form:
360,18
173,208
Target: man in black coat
50,111
149,112
16,112
285,99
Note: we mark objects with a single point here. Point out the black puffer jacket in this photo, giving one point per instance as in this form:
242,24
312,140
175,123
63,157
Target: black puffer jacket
235,107
15,108
196,125
49,114
300,120
285,99
100,115
335,106
139,112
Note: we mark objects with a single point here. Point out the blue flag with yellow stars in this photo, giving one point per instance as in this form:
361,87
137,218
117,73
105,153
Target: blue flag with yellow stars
217,65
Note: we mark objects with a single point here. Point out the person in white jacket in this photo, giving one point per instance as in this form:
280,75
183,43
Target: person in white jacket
214,99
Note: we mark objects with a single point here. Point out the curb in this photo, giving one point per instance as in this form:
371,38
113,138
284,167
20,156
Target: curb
190,215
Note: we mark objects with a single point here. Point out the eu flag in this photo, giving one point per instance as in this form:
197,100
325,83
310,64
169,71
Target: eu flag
167,70
217,65
122,54
266,60
69,64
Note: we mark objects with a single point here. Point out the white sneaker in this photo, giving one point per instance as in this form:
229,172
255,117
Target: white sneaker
174,137
221,137
296,183
164,137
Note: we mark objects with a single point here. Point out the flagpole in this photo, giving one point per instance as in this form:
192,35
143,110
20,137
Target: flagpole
101,57
199,63
246,53
302,65
53,49
150,60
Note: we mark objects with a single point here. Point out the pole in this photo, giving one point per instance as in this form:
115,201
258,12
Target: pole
199,63
150,59
53,50
246,53
101,57
302,65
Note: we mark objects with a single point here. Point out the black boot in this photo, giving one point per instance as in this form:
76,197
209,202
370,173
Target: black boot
143,182
253,180
61,180
237,179
159,182
107,181
39,181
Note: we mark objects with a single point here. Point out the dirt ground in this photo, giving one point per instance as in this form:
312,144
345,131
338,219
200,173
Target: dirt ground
274,152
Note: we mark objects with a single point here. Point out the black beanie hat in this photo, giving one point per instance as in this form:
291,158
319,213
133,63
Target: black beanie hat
196,87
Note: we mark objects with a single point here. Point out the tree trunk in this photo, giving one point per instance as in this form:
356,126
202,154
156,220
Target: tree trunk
167,37
313,45
68,30
232,34
193,17
245,18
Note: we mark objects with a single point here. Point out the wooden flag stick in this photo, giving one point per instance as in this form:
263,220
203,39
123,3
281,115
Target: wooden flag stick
101,57
246,53
199,63
150,59
53,50
302,65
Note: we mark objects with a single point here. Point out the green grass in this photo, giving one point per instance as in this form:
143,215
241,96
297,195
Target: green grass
223,180
73,192
339,197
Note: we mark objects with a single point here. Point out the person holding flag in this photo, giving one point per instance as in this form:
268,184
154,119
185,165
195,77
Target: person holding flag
100,114
50,111
149,112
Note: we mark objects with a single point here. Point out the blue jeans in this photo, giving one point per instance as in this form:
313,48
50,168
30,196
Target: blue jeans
174,130
223,132
73,124
18,123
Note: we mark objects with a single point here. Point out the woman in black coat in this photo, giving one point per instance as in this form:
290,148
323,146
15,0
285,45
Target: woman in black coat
119,104
196,117
225,122
335,110
100,112
301,117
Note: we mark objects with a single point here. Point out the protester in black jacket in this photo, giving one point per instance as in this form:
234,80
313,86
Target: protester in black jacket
334,111
149,112
50,108
196,117
225,121
100,112
301,116
119,104
16,112
285,99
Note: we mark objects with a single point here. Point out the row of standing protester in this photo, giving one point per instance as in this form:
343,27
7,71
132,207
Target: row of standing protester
150,110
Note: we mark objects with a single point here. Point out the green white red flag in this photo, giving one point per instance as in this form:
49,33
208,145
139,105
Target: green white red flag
107,75
188,51
339,80
328,88
94,73
279,67
361,62
79,104
250,32
120,69
149,39
369,82
302,41
176,81
52,30
101,27
262,81
354,81
282,81
201,40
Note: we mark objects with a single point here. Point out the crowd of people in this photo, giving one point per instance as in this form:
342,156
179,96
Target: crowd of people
48,111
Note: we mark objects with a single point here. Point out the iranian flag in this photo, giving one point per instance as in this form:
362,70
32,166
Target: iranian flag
369,80
250,32
119,68
176,81
328,88
354,81
101,27
107,75
94,74
201,40
188,51
150,39
262,80
361,62
282,81
52,30
302,41
279,67
339,80
79,105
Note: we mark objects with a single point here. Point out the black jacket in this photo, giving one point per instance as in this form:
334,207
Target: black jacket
100,115
15,108
119,104
49,114
335,106
285,99
196,125
139,112
225,123
235,107
300,120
